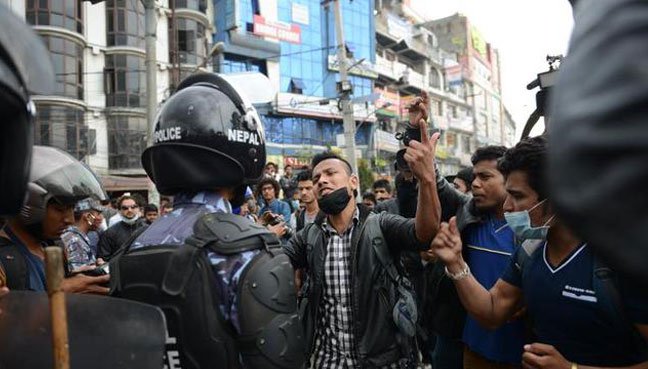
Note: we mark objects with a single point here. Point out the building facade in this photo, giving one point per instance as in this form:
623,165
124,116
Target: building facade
98,109
477,74
410,60
98,112
294,44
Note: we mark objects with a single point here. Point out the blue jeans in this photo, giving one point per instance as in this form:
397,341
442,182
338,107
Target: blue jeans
447,353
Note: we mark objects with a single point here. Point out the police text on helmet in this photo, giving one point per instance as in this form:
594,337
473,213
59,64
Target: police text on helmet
251,138
168,134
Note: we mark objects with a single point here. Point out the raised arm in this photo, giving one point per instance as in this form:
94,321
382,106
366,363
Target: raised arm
420,158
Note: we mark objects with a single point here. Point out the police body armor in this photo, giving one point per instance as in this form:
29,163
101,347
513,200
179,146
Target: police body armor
181,281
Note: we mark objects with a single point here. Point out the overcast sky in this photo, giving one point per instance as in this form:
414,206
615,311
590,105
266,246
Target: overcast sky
524,31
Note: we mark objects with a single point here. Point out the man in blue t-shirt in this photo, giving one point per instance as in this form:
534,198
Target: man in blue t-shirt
488,252
576,322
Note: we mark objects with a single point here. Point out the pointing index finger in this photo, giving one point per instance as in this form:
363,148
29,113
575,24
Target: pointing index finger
423,124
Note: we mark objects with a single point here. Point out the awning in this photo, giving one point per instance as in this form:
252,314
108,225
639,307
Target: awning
123,183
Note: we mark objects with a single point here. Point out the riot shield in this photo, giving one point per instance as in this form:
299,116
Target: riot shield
104,332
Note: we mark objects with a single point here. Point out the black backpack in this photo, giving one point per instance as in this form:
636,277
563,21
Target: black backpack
180,280
14,264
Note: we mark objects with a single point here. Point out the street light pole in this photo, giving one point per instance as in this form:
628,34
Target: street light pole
150,19
345,90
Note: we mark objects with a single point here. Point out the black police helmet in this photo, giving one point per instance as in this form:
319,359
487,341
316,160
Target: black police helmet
57,176
206,137
25,69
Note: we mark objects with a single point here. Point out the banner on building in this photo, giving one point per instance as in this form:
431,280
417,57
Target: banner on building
454,75
277,30
313,106
387,102
386,141
478,42
363,69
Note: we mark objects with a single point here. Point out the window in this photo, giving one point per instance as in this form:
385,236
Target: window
63,127
234,64
297,86
435,78
125,23
192,48
465,144
126,141
57,13
67,59
451,139
199,5
125,80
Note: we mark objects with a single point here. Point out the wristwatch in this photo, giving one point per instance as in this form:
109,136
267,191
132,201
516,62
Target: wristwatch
461,275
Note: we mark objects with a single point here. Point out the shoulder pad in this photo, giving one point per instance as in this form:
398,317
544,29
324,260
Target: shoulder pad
231,234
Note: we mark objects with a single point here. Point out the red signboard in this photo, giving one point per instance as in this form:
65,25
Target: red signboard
277,30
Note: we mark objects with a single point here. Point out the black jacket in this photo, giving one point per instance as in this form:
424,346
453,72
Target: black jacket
443,312
114,237
376,334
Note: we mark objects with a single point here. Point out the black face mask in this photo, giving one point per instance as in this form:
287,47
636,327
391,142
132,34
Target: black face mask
334,202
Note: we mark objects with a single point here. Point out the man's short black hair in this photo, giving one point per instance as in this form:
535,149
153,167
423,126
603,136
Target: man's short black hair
150,208
369,196
266,181
305,175
287,166
488,153
529,156
123,198
382,183
330,155
271,164
466,175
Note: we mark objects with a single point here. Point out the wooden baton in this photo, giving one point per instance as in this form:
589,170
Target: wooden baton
54,272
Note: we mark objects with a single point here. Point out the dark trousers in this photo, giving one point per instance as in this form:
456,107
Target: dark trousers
448,353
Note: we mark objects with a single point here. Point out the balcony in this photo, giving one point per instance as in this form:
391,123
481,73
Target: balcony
390,69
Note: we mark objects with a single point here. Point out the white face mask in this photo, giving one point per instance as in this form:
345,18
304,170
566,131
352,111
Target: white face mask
520,224
130,220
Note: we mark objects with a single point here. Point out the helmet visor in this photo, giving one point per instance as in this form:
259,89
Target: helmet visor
65,179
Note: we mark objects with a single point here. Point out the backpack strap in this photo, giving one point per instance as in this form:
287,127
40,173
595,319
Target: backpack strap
605,285
527,249
372,228
300,217
14,264
115,280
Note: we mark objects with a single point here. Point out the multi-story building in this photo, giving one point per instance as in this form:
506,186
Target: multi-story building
409,60
98,110
294,44
478,75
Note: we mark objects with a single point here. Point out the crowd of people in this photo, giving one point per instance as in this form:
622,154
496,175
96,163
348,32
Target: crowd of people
476,270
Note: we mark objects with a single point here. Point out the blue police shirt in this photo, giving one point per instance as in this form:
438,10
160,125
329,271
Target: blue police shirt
173,228
488,253
567,314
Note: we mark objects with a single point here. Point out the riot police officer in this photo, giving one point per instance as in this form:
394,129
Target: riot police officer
25,70
208,147
56,182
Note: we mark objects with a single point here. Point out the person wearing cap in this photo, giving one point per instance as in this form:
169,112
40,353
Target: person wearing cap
87,217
